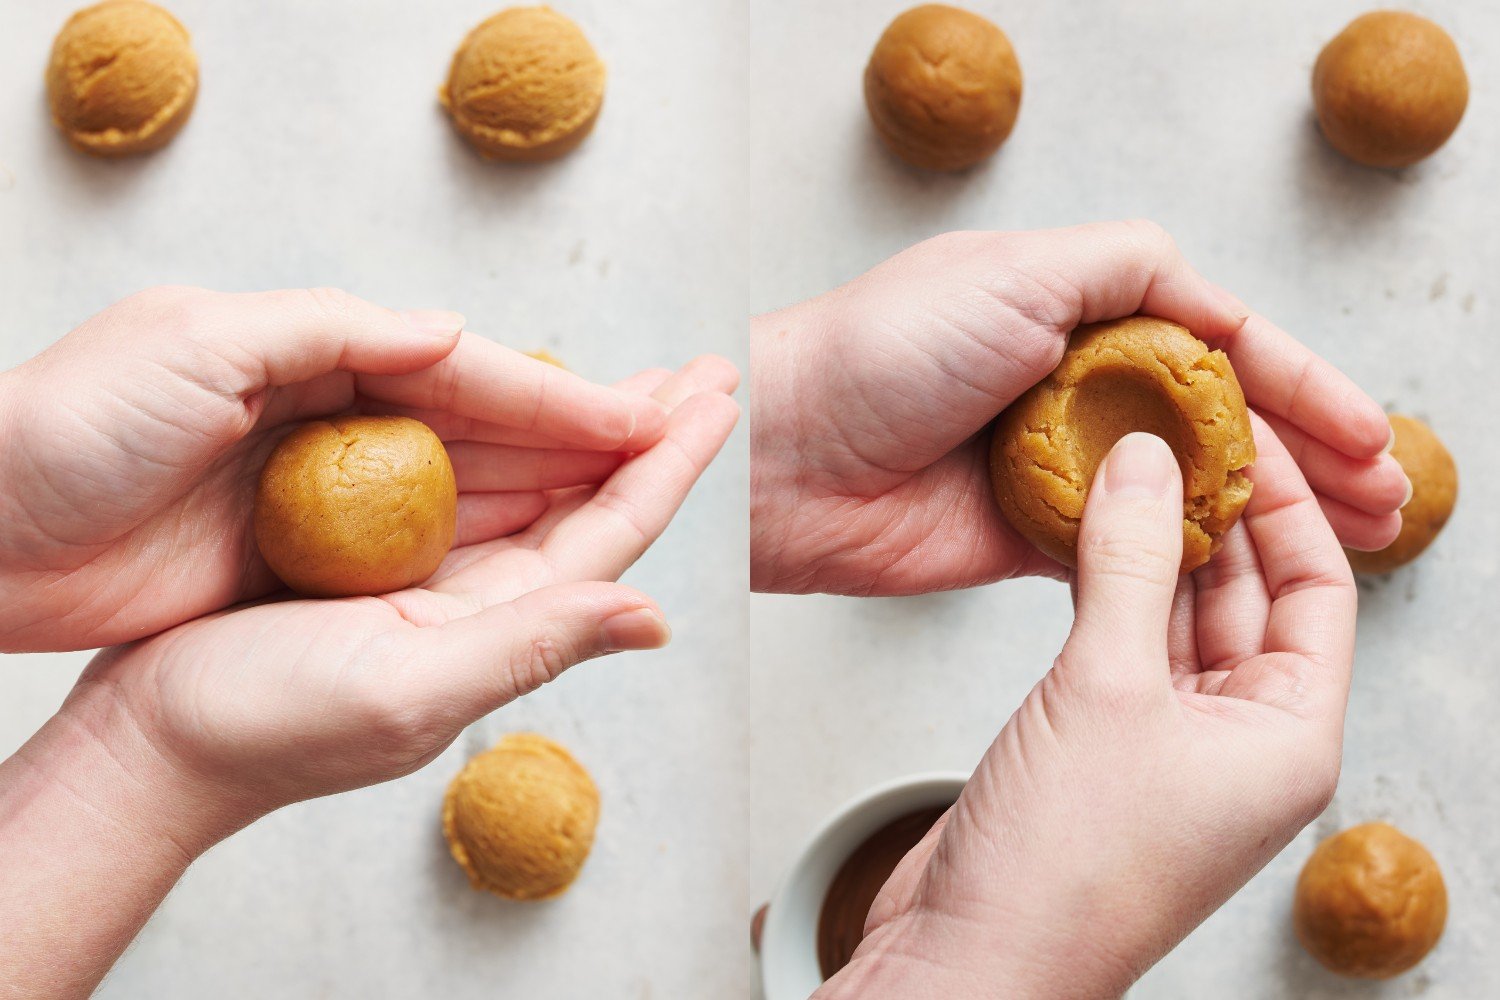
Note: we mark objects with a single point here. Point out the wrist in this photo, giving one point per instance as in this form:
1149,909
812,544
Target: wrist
96,765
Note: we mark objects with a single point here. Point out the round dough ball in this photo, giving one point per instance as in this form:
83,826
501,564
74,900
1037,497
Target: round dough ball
1135,374
1434,491
524,85
943,87
1389,89
1370,902
122,78
356,505
520,818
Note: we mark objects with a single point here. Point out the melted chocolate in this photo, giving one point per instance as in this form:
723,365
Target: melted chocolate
841,924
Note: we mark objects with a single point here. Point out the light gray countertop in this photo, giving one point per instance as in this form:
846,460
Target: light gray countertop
1196,115
317,155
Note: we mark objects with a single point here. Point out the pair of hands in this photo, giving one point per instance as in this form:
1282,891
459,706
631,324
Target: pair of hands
131,451
1191,726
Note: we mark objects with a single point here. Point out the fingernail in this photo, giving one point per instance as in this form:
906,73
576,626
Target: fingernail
1234,305
1139,465
1410,492
638,629
434,322
1390,443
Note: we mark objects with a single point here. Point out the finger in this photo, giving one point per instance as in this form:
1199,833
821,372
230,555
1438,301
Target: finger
610,531
1377,486
486,382
484,660
1311,587
486,516
281,337
706,373
482,468
1282,377
1358,530
1233,604
1182,629
644,382
994,311
1129,555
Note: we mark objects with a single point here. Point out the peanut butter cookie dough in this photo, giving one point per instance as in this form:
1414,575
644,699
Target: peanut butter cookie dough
122,78
943,87
1134,374
1389,89
524,85
356,505
1434,491
1370,902
520,818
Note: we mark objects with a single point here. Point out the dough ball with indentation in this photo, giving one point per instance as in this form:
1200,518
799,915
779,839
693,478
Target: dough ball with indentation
122,78
943,87
1134,374
1389,89
1370,902
520,818
1434,491
524,85
356,505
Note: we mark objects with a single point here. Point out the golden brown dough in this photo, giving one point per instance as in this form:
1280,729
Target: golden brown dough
943,87
356,505
122,78
524,85
1389,89
520,818
1434,491
1134,374
1370,902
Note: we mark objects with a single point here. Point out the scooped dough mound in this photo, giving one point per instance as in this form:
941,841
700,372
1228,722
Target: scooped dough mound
520,818
524,85
1434,485
1389,89
356,505
1134,374
122,78
943,87
1370,902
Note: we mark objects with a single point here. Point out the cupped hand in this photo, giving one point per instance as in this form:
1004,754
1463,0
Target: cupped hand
1188,730
130,448
258,706
870,405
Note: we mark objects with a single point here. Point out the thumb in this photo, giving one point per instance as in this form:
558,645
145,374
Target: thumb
1129,554
496,655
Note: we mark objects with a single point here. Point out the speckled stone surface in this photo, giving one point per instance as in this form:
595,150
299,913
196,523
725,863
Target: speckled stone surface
1197,115
309,165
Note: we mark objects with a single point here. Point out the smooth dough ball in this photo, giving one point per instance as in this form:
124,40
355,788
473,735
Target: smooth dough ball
1434,491
122,78
1389,89
1135,374
524,85
520,818
1370,902
943,87
356,505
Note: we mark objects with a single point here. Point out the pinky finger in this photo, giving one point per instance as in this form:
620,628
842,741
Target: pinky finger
483,517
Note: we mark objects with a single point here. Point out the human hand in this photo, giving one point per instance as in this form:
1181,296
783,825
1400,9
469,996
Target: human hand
871,404
129,449
260,706
1189,728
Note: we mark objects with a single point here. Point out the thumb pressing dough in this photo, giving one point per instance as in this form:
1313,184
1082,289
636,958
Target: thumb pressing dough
524,85
1135,374
122,78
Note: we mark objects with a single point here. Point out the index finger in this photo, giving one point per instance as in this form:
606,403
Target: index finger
1313,600
484,381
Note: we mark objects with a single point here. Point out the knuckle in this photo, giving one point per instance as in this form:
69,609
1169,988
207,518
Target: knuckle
334,302
1126,553
545,657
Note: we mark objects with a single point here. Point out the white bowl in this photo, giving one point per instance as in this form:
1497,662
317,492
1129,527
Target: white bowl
788,944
